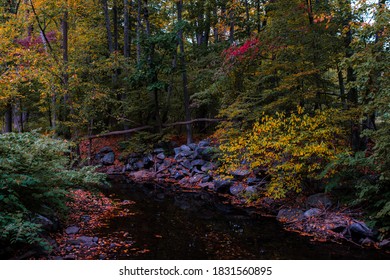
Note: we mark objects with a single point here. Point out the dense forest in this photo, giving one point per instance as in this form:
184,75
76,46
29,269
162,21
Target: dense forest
297,88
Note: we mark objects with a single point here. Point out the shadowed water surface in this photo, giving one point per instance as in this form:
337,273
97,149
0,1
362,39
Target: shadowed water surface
166,224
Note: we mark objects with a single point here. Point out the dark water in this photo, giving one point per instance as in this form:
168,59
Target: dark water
165,224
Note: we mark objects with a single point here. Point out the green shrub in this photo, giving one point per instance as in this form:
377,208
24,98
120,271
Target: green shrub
35,174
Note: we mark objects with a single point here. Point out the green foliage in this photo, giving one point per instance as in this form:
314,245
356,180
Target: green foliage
35,174
291,149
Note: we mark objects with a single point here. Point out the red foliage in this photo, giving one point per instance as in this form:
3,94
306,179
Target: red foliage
247,51
34,41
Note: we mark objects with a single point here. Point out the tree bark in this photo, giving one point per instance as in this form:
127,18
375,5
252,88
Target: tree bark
115,23
8,118
126,29
108,26
184,75
139,26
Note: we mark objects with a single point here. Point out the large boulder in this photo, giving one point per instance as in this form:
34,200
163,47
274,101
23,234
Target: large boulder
313,212
108,159
360,230
240,174
45,223
290,215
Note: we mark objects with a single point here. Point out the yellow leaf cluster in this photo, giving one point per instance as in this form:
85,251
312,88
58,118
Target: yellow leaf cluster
290,148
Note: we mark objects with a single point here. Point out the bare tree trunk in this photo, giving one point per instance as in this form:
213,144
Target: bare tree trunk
232,24
126,29
108,26
8,118
139,26
184,74
115,22
248,26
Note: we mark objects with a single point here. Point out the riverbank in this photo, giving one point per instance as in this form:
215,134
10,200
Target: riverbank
193,166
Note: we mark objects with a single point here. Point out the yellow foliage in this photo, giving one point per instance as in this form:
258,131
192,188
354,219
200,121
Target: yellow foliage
290,148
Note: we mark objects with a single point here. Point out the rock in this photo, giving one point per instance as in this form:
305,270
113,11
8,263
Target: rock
177,151
139,165
185,148
313,212
72,230
236,189
108,159
129,167
207,167
187,154
106,150
319,200
367,242
240,174
251,190
147,161
183,181
222,186
198,162
186,163
70,257
289,215
196,171
203,143
161,156
207,186
178,176
85,218
158,151
360,230
206,153
384,243
193,146
46,223
95,239
206,179
196,178
87,240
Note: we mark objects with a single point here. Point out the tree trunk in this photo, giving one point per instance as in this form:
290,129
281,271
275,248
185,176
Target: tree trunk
139,26
184,74
232,24
248,26
152,68
108,26
126,29
115,23
8,118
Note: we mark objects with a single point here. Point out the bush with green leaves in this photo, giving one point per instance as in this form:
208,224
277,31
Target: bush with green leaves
35,176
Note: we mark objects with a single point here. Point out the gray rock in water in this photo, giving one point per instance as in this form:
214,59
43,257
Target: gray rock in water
289,215
319,200
360,229
313,212
384,243
108,159
72,230
236,189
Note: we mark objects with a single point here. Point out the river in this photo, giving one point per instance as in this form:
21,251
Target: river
172,224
